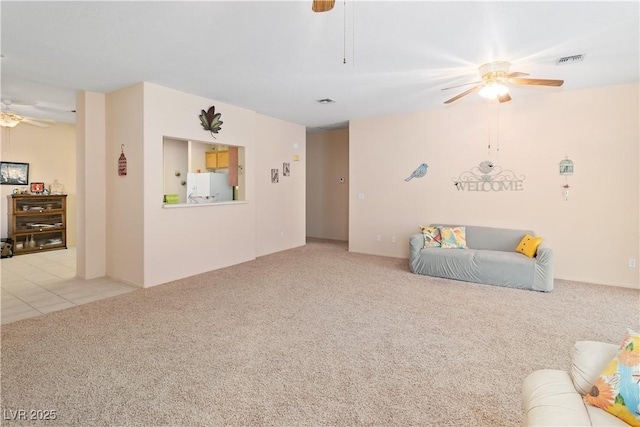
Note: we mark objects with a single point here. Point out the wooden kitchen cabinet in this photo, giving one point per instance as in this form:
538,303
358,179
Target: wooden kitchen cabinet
217,159
38,223
223,159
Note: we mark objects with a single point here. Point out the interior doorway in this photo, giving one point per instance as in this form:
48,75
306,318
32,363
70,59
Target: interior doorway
327,190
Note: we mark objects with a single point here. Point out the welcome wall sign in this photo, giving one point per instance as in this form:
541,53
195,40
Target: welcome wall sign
488,177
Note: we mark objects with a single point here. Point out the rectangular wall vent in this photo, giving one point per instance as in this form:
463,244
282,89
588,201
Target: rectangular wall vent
570,59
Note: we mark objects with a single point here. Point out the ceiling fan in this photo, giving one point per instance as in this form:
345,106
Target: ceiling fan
494,77
322,5
10,119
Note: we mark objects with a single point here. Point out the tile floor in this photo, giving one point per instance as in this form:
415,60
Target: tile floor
34,284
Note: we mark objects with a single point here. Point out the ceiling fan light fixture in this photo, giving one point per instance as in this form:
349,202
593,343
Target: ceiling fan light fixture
8,120
493,90
494,68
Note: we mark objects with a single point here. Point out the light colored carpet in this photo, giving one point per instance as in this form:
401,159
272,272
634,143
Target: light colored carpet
309,336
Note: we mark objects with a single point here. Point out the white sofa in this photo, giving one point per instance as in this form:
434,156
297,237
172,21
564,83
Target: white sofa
555,398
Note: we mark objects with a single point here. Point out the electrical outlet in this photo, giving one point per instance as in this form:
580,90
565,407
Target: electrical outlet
632,263
361,196
393,239
379,238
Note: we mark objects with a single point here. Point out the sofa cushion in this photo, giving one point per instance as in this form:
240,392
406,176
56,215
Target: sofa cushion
615,390
432,237
549,399
588,360
505,268
438,262
492,238
601,418
528,245
453,237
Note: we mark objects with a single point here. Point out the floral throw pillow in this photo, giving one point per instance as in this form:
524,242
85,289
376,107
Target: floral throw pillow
617,389
431,237
453,237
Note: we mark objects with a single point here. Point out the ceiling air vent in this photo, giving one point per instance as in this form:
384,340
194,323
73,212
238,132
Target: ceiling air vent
326,101
570,59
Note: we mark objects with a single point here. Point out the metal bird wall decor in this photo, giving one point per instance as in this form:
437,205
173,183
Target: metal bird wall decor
419,172
210,120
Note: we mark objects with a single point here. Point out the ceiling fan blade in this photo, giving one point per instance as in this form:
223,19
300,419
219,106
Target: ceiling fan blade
516,74
34,123
40,120
504,98
464,84
322,5
52,106
539,82
466,92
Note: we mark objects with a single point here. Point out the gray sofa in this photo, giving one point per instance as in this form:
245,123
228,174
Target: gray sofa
490,258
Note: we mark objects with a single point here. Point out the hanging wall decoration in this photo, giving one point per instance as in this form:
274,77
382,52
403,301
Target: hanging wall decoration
274,176
488,177
122,162
566,168
210,120
419,172
286,169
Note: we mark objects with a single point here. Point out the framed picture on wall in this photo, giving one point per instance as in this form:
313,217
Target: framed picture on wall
286,169
274,176
12,173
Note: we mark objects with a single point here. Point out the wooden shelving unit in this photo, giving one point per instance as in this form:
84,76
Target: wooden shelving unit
38,223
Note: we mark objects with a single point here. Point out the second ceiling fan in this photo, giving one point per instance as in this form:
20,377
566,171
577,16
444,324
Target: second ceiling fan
9,119
494,77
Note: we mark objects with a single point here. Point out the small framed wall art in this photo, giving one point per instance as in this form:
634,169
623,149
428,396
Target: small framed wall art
12,173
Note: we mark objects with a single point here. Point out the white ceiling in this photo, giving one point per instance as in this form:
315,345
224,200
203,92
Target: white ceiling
279,58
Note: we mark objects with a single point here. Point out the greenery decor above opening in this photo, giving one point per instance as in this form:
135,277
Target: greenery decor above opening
210,120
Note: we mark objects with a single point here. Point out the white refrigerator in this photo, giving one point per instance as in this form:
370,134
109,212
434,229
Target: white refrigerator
207,185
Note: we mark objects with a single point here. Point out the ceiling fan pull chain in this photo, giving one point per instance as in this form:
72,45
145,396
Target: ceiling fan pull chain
498,127
489,127
344,32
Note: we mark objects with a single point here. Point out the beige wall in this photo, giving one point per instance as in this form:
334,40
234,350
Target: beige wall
149,244
125,195
181,242
327,198
90,164
51,154
280,215
593,234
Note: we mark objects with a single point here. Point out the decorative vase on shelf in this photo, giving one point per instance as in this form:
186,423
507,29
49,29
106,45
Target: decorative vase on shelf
32,242
56,187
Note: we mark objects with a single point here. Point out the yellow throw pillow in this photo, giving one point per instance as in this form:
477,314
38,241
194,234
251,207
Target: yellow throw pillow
617,390
529,245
